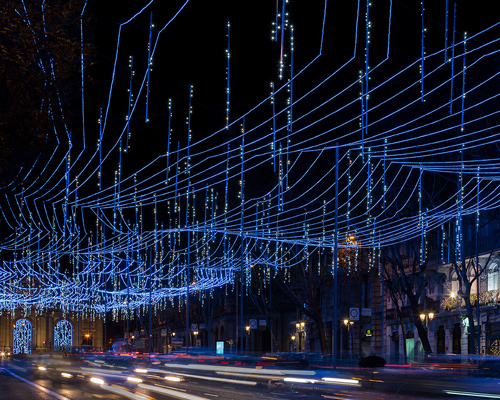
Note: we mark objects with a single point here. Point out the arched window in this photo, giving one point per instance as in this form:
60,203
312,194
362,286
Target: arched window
23,339
457,339
63,335
454,282
493,276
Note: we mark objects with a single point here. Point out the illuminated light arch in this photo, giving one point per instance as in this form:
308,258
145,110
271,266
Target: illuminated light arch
97,229
63,335
23,337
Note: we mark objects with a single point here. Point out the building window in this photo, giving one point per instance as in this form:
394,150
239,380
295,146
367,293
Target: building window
441,338
23,331
457,339
63,335
493,276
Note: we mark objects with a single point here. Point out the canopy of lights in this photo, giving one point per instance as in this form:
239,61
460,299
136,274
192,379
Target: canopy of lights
359,151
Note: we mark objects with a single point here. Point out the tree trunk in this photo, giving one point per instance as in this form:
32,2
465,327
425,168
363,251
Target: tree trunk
422,331
270,328
472,328
322,336
403,331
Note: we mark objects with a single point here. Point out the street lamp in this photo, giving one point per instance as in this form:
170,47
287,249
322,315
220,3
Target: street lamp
169,346
425,318
247,328
300,326
348,323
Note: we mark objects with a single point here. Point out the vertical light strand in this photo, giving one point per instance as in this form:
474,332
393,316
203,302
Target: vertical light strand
82,71
99,146
273,144
290,110
453,56
464,67
149,66
228,56
189,132
169,133
274,31
282,47
130,102
446,17
364,133
443,239
422,50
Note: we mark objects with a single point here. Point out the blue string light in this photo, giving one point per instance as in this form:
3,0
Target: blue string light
125,246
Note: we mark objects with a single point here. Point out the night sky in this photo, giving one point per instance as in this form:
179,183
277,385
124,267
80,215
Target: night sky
93,203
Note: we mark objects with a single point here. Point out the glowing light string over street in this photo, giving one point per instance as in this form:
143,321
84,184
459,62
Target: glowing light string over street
116,220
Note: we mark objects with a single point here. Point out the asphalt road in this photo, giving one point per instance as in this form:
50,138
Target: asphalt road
18,383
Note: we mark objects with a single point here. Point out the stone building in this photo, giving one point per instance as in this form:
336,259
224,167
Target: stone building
22,333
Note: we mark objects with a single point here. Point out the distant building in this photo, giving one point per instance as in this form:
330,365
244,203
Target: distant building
22,333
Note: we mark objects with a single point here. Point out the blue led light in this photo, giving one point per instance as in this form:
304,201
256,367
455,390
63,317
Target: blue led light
23,337
93,228
63,335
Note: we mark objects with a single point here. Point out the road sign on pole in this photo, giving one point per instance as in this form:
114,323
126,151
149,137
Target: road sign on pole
354,314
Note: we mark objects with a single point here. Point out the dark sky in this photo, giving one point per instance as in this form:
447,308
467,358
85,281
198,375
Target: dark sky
192,49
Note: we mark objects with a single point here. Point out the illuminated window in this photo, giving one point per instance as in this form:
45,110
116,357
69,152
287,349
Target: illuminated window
493,276
63,335
23,331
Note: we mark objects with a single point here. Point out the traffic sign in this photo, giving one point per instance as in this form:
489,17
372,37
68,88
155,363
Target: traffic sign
354,314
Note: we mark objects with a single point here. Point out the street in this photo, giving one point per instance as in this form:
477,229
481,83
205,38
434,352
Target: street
195,382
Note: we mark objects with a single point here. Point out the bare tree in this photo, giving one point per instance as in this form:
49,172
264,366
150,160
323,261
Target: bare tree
406,277
468,272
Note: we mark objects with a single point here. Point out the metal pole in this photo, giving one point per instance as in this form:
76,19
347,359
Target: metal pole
105,323
236,342
477,272
150,305
242,222
382,318
335,259
128,305
187,291
241,292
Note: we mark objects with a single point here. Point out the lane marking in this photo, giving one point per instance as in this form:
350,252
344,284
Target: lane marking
211,378
41,388
473,394
171,387
125,393
169,392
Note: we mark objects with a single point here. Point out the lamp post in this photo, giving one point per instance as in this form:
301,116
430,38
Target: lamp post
293,343
195,333
300,330
348,323
425,318
247,328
